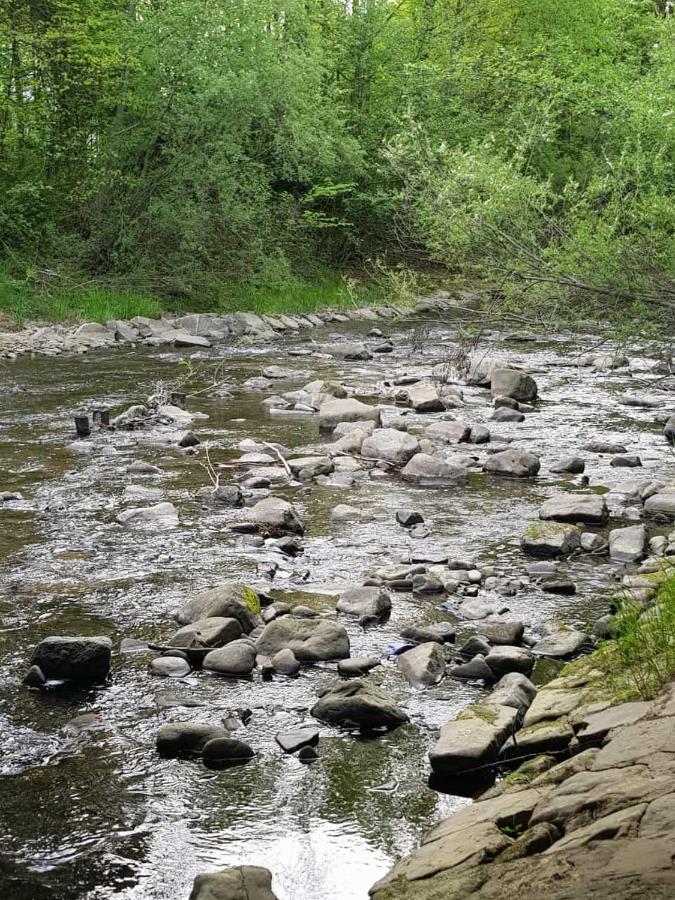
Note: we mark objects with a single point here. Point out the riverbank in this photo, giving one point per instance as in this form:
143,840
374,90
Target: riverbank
203,330
597,824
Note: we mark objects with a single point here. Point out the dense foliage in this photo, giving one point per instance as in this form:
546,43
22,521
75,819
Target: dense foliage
172,145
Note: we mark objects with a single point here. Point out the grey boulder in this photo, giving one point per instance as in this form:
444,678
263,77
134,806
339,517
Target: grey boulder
431,470
214,631
236,659
237,883
590,509
513,383
422,666
84,660
229,600
550,539
357,703
390,445
310,639
176,739
628,545
276,517
473,739
513,463
365,601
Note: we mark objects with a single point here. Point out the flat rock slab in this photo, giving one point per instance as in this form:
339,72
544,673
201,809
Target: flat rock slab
473,739
591,509
293,740
550,540
561,643
310,639
360,704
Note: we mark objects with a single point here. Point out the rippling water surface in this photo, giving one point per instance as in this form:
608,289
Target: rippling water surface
87,808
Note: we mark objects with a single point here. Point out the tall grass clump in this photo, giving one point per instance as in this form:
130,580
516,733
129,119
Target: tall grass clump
640,658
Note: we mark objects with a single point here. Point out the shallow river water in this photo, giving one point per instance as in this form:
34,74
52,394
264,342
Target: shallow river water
87,808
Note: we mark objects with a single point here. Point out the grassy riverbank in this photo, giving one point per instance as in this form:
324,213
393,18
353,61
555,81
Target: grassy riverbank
23,300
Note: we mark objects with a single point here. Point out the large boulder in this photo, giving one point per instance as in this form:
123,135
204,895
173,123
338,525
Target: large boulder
514,689
365,601
514,463
213,631
180,739
224,752
310,639
357,703
276,517
503,660
83,660
561,643
449,432
588,508
513,383
390,445
472,739
236,659
423,397
424,665
232,600
661,504
333,412
426,469
238,883
628,544
550,539
350,350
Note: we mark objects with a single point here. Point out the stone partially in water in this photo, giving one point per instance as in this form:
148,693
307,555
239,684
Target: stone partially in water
590,509
513,463
390,445
310,639
333,412
84,660
503,660
449,432
628,544
170,667
473,739
571,465
422,666
238,883
423,397
365,601
356,666
285,662
513,383
214,631
358,703
562,643
224,752
431,470
160,514
176,739
550,539
232,600
236,659
291,741
276,517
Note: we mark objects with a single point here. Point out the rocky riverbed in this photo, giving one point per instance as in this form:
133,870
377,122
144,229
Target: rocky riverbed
288,585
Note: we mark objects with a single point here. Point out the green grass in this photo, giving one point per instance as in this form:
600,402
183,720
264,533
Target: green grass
21,301
24,299
299,296
640,658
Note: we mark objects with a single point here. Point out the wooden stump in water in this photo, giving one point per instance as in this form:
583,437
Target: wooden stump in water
101,417
82,426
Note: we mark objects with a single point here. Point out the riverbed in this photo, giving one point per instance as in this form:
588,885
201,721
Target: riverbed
87,807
